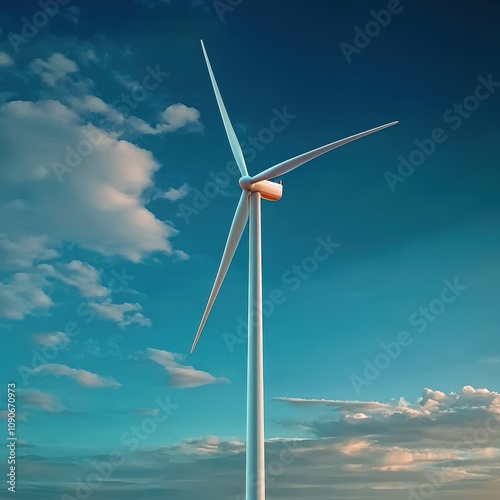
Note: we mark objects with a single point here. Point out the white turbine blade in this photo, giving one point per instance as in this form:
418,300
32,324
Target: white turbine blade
237,228
233,141
288,165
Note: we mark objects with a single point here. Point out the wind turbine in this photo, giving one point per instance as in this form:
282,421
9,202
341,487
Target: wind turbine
249,207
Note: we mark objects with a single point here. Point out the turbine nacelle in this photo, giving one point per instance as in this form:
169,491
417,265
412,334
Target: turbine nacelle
271,191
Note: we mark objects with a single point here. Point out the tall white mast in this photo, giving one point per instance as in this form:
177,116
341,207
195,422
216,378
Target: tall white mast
254,189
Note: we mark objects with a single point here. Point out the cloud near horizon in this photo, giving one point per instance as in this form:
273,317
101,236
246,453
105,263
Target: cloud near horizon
449,444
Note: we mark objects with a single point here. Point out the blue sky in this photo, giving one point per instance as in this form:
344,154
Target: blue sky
382,351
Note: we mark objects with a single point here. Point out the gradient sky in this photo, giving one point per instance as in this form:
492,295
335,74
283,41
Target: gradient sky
108,249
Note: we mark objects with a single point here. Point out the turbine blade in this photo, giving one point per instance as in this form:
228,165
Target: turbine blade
237,228
233,141
288,165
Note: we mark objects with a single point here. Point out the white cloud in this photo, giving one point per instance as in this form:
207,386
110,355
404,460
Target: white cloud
51,339
353,447
180,255
40,400
82,377
119,313
63,180
398,459
181,376
209,446
178,116
351,406
92,104
23,251
355,417
173,118
89,55
5,60
126,81
78,274
26,293
55,69
430,395
23,294
101,191
176,194
434,420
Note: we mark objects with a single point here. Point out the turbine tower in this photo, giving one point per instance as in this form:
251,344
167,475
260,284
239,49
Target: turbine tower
249,207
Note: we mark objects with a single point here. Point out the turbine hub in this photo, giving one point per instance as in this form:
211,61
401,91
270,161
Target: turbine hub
246,183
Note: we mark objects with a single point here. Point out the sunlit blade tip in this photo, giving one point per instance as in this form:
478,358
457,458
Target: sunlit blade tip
233,140
195,343
289,165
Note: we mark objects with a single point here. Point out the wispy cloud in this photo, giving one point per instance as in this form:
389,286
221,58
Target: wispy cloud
82,377
490,359
174,117
100,349
80,275
353,406
209,446
72,14
173,194
23,294
51,339
39,400
353,447
119,313
24,251
182,376
5,60
55,69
